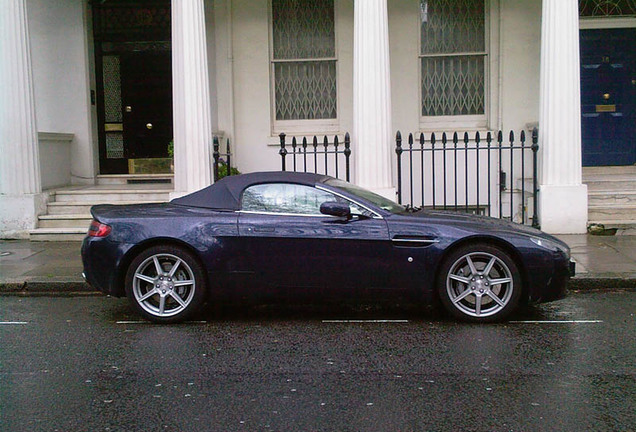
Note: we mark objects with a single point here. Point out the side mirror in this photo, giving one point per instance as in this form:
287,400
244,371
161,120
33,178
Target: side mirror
334,208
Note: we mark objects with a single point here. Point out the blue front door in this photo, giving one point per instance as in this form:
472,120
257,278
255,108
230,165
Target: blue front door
608,96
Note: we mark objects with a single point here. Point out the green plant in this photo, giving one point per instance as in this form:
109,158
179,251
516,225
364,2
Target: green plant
171,149
223,169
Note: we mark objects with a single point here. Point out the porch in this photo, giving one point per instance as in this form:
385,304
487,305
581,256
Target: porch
233,71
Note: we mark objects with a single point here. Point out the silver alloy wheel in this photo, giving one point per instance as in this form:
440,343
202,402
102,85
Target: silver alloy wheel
479,284
163,285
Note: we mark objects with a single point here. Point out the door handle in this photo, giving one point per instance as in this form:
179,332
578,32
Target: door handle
263,229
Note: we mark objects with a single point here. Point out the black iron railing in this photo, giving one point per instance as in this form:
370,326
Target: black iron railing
470,174
324,156
222,162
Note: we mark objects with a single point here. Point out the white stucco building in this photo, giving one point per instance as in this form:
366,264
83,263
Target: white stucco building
92,89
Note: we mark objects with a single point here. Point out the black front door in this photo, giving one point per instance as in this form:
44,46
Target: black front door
146,93
608,96
134,84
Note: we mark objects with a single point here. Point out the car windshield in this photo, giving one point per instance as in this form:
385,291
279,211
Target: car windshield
378,200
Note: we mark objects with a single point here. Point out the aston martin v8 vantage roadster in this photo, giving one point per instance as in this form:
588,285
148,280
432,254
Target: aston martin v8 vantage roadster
297,231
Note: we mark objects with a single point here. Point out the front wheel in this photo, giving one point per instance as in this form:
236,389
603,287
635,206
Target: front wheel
165,284
479,283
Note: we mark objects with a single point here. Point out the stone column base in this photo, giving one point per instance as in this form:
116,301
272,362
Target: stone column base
563,209
19,214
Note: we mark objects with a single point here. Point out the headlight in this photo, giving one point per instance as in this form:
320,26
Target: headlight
551,245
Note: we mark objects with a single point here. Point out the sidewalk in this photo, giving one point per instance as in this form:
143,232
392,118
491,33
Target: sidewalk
602,262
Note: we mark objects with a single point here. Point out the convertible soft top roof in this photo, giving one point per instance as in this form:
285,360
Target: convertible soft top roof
225,194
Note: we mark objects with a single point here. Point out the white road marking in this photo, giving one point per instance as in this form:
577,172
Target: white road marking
365,321
13,322
148,322
558,322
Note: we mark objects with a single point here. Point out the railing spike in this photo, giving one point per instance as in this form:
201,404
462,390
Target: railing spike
283,151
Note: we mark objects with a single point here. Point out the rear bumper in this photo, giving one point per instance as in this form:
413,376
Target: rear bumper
101,260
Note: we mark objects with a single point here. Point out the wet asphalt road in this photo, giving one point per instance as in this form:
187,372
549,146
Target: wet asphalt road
89,364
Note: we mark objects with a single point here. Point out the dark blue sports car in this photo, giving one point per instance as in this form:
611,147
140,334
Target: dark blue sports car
274,231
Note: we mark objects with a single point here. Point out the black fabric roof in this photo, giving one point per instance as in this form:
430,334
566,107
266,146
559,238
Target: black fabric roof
225,194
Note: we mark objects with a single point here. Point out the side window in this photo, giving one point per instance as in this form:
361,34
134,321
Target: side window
284,198
291,199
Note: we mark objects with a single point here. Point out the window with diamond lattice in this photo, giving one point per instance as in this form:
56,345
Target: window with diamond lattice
607,8
303,58
453,57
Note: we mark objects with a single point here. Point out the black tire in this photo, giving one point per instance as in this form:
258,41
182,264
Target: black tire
162,292
479,283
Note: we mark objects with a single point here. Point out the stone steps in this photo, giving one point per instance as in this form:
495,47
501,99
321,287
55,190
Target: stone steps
605,171
612,196
84,207
68,213
65,221
611,184
129,179
611,213
58,234
112,196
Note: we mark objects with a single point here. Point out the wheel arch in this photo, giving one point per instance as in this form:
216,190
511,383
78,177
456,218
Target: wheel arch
493,241
120,277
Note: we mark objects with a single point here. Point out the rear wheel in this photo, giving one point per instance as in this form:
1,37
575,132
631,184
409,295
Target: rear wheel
479,283
165,284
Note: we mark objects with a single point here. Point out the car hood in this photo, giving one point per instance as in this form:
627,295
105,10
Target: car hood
475,223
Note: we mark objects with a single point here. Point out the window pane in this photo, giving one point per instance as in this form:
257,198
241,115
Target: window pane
112,89
452,26
305,90
453,85
285,198
303,29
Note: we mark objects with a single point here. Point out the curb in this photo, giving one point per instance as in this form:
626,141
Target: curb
46,287
606,283
26,288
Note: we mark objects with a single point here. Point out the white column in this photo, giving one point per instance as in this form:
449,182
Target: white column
562,196
191,97
372,134
20,188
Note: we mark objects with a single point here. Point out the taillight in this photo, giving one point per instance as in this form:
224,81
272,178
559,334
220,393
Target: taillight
98,229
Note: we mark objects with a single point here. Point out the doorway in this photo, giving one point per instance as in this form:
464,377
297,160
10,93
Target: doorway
608,96
134,85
